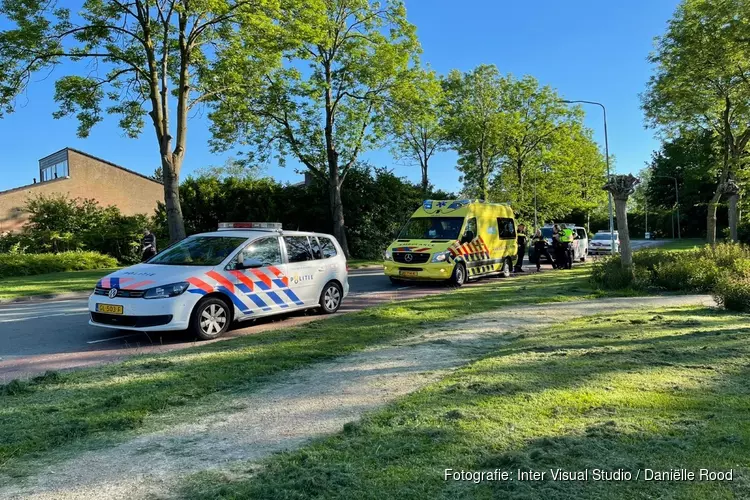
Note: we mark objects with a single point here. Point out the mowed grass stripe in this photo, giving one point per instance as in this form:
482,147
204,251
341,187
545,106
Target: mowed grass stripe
663,390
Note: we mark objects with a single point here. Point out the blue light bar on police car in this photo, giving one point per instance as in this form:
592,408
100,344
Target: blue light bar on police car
250,225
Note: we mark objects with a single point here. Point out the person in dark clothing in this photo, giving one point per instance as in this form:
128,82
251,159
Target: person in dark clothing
521,240
557,248
540,250
148,245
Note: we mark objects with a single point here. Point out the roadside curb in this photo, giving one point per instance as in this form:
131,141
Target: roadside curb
46,297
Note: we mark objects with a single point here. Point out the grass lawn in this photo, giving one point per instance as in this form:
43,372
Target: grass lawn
360,263
663,390
57,409
683,244
53,283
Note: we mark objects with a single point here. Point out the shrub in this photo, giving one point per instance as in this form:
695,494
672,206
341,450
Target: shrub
733,292
696,270
30,264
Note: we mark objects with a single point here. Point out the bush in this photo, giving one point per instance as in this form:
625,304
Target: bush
733,292
697,270
30,264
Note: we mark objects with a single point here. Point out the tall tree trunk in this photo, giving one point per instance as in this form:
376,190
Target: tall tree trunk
732,200
425,182
171,181
626,253
337,213
711,216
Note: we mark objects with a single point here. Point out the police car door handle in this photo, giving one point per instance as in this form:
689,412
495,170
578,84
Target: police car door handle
321,269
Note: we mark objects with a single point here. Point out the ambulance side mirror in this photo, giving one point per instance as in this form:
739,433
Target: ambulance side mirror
468,236
250,264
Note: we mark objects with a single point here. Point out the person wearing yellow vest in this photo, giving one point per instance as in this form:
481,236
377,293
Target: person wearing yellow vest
566,238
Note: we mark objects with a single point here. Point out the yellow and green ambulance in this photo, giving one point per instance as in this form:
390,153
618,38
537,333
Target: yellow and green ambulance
453,240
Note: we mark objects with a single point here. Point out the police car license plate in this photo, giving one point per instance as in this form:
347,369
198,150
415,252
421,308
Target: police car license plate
410,274
108,309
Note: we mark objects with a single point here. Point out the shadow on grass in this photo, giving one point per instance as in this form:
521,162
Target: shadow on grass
664,393
50,411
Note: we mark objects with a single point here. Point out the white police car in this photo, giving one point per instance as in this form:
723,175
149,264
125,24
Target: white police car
245,270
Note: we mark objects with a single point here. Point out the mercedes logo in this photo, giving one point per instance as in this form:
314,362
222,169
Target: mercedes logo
112,293
408,257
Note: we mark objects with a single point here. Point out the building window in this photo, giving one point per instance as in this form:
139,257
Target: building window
54,171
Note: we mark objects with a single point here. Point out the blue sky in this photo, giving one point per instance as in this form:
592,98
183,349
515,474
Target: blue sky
592,50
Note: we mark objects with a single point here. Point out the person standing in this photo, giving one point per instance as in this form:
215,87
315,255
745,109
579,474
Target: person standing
148,245
556,247
566,238
521,253
540,250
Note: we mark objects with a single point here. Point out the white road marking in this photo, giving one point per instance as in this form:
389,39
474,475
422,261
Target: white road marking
112,338
371,273
11,320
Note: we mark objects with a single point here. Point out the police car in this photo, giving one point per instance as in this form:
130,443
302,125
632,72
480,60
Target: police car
207,281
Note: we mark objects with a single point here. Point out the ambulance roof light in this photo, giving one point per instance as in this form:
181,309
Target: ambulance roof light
228,226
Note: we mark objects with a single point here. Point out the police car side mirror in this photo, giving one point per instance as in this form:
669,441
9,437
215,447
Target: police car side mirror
250,264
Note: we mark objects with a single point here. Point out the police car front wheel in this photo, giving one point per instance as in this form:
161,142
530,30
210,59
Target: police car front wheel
330,298
210,318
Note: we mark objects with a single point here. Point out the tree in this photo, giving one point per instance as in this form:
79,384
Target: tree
414,120
143,53
326,106
535,122
621,187
694,159
475,124
702,82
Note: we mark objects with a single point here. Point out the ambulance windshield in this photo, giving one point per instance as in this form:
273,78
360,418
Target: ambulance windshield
432,228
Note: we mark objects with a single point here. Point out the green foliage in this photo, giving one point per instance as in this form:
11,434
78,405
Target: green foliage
415,120
59,224
32,264
376,204
733,292
697,270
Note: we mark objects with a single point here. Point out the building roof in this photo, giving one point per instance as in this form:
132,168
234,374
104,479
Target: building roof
106,162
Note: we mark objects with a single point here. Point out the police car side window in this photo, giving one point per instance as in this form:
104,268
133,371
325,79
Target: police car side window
316,247
506,228
327,247
298,248
266,250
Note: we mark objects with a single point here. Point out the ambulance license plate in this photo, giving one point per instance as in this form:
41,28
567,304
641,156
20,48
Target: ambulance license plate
408,274
109,309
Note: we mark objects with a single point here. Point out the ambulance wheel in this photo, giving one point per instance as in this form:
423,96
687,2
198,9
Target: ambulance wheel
505,270
210,318
396,281
330,298
458,278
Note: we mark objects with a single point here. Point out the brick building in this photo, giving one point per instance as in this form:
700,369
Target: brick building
80,175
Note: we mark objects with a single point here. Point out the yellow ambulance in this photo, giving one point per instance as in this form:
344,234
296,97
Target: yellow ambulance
453,240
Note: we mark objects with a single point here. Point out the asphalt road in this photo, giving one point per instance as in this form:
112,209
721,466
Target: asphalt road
55,334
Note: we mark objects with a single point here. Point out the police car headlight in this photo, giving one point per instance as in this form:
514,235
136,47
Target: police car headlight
166,291
388,255
440,257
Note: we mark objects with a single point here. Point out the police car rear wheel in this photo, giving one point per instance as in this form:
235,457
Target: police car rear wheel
458,277
210,318
330,298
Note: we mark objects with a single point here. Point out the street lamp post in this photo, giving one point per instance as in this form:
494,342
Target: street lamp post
606,153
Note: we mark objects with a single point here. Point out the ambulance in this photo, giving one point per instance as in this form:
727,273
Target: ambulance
205,282
453,241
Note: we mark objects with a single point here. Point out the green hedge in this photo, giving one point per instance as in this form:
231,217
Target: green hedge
722,270
15,264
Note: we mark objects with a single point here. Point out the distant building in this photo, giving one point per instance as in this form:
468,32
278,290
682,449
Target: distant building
80,175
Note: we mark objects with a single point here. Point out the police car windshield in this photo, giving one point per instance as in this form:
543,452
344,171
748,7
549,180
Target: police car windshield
432,228
199,251
547,232
602,236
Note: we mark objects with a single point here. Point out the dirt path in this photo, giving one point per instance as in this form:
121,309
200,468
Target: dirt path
309,403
